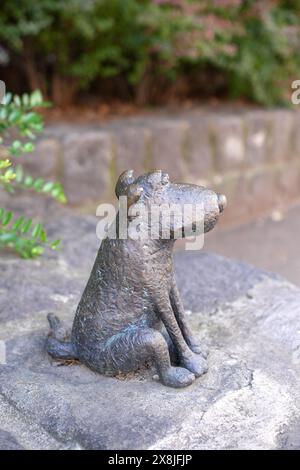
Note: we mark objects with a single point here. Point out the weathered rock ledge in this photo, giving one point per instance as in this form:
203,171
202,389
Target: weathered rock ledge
249,399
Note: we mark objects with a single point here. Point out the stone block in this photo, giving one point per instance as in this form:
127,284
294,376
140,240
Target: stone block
198,151
87,167
289,183
257,132
228,141
168,145
282,136
296,147
131,147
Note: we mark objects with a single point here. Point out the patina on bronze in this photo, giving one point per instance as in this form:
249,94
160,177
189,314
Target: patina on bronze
130,312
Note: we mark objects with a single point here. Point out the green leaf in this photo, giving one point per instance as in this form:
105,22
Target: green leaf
37,250
36,98
48,187
28,181
7,237
31,118
25,228
16,147
25,100
19,174
6,218
28,133
9,174
5,163
55,244
58,194
43,235
7,99
17,224
38,184
37,230
28,147
17,101
14,116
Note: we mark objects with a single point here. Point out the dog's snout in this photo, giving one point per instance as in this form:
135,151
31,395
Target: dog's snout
222,202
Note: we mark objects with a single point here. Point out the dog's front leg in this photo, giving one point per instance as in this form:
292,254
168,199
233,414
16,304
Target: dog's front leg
187,358
182,321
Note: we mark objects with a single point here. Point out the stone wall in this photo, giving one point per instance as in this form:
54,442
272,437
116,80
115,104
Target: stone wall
253,156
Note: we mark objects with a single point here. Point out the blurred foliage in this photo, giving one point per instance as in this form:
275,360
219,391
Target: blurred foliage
19,124
67,45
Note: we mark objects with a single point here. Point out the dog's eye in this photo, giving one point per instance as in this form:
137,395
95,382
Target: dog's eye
165,178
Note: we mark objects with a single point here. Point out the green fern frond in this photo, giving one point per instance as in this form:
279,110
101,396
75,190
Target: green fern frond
39,185
22,236
18,112
19,124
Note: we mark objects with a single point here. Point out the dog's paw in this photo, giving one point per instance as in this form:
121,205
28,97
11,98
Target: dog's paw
194,363
177,377
197,349
195,346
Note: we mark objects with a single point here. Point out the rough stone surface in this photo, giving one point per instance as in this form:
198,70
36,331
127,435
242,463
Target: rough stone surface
250,320
8,442
132,149
168,146
289,183
198,151
203,145
87,161
262,188
228,142
237,193
45,161
282,131
257,124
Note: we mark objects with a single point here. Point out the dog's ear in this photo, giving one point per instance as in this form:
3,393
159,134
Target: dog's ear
125,179
133,193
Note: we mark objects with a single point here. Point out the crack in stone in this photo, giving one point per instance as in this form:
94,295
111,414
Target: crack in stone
25,423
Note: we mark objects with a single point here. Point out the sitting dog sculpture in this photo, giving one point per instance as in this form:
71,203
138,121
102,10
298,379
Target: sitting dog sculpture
132,294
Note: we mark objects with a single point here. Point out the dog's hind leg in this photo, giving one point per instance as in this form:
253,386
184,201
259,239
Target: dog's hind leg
130,349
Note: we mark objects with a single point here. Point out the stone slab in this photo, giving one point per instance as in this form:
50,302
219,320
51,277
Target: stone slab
249,398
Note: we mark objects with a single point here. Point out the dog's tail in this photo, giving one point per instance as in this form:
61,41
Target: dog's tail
57,344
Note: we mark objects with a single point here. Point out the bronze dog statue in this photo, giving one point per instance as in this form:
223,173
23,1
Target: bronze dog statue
131,294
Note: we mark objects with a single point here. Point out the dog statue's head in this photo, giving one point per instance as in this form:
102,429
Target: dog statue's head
197,205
